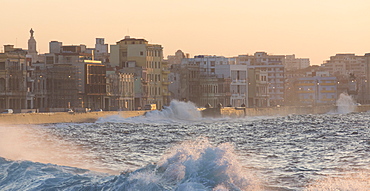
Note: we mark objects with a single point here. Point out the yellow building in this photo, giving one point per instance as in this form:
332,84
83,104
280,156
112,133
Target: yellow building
14,93
146,62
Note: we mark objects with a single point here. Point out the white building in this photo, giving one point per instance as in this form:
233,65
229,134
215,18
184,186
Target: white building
345,64
293,63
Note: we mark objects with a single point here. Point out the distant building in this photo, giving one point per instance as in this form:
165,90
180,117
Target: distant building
345,64
120,87
293,63
177,58
146,62
74,79
316,90
14,92
101,51
274,66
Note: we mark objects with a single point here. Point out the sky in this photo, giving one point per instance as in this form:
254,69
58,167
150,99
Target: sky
314,29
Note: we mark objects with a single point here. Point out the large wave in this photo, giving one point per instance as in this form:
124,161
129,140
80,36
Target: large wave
193,165
176,111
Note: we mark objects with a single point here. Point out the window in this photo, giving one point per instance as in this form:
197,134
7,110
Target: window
2,65
141,53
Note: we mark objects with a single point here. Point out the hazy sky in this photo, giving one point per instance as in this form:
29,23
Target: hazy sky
315,29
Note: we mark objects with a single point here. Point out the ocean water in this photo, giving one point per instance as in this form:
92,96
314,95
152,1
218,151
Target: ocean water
177,149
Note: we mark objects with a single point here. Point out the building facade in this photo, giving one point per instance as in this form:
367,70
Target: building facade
146,62
316,90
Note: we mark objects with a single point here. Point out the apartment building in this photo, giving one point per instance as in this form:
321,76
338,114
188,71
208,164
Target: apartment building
274,66
316,90
293,63
120,87
345,64
74,79
14,92
146,62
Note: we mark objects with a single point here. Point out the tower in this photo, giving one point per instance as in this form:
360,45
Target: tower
32,48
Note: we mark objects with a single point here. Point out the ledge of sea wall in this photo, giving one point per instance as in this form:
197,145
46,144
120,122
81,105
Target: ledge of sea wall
61,117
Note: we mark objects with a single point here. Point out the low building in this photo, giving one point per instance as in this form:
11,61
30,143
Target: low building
316,90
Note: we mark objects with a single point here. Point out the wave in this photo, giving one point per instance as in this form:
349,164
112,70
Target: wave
193,165
176,111
345,104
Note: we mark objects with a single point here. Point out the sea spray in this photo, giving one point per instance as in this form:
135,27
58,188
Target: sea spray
192,165
345,104
199,165
176,111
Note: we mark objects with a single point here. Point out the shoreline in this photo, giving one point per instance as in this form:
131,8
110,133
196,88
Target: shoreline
91,117
61,117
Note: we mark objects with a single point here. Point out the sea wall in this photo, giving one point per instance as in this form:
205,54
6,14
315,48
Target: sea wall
275,111
61,117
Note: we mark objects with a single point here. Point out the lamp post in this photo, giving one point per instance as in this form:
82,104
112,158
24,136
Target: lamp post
317,98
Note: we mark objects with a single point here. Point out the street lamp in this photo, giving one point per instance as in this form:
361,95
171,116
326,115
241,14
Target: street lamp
317,98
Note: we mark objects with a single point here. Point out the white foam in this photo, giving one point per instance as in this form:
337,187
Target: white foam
199,165
176,111
345,104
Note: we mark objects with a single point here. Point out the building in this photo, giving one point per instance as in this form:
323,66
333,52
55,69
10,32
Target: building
14,92
101,51
316,90
146,62
239,83
257,88
293,63
274,66
74,79
205,80
120,87
345,64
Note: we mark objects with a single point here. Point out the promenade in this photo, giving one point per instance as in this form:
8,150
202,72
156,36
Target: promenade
61,117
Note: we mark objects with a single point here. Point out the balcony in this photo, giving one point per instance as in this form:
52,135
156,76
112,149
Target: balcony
166,83
166,71
239,81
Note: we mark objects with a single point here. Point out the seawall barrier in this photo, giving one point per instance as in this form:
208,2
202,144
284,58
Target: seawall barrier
275,111
90,117
61,117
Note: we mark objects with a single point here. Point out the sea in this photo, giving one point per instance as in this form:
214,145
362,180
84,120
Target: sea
177,149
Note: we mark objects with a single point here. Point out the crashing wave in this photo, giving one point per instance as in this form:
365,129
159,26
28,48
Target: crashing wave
176,111
195,165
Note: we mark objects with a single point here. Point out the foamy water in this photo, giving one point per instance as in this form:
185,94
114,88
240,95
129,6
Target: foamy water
345,104
178,150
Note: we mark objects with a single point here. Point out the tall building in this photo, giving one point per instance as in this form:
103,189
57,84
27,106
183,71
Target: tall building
146,62
274,65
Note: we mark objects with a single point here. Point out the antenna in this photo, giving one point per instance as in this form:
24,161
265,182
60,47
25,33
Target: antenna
128,31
